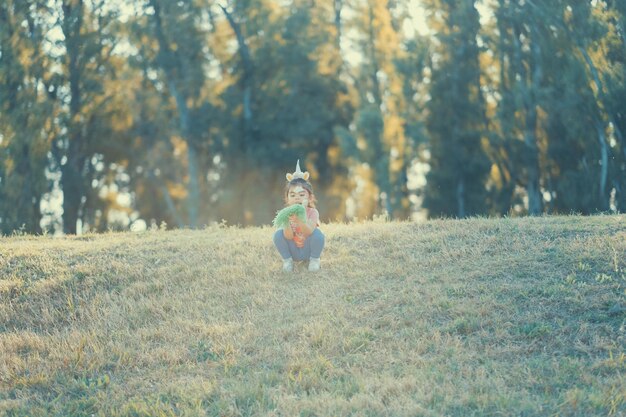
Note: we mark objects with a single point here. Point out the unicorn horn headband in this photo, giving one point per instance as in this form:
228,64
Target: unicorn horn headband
298,173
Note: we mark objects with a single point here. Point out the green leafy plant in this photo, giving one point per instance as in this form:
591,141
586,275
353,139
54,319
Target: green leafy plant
282,216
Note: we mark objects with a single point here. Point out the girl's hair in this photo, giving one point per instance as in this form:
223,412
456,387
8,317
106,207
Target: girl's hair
304,184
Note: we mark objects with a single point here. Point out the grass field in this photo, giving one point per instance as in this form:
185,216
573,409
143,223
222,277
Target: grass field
478,317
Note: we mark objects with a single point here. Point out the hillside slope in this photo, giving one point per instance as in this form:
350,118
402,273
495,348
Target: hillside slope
458,317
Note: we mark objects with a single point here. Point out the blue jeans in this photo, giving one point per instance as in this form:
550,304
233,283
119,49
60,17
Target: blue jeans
313,246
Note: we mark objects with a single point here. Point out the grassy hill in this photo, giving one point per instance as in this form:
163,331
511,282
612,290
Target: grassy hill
459,317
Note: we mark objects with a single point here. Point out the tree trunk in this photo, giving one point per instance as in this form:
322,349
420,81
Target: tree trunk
71,183
401,192
375,67
460,198
169,203
71,178
381,167
166,61
532,162
600,128
247,84
531,152
600,87
338,6
604,167
193,188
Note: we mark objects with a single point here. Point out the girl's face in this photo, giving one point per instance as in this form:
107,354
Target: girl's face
297,194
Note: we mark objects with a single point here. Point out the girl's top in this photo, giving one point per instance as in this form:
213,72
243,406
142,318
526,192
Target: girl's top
312,217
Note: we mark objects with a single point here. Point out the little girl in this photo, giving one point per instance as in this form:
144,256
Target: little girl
300,240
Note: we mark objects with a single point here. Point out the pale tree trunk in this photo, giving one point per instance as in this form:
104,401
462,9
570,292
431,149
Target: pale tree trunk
338,6
460,198
166,61
247,83
249,145
600,87
601,129
375,67
604,160
532,161
193,199
528,93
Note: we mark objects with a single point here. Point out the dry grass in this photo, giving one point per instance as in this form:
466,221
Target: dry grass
459,318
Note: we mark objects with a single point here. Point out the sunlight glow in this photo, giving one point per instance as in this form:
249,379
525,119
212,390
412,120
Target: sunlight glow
417,23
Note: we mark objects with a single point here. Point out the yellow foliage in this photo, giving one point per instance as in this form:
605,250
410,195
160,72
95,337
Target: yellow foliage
9,166
278,39
496,176
365,193
121,121
177,191
333,154
180,146
328,60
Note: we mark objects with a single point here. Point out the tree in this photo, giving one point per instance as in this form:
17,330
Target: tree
580,164
379,119
180,58
578,117
86,136
458,165
26,116
295,102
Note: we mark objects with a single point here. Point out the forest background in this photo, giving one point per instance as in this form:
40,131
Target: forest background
145,113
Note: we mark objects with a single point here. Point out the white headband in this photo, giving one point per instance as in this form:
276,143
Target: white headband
298,173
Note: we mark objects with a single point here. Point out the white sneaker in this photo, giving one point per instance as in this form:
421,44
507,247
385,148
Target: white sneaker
288,265
314,264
